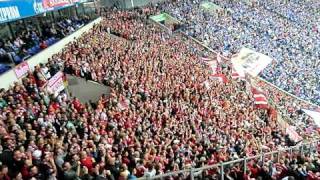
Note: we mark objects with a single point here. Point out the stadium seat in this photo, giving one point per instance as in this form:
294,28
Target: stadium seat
48,42
34,50
17,59
4,68
37,48
30,52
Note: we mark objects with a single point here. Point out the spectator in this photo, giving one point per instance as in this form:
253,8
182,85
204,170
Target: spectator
69,173
158,117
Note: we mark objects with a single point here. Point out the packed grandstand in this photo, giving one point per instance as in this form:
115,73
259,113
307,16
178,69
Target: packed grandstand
179,106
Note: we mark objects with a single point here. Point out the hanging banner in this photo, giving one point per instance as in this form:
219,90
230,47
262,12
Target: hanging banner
11,10
56,84
15,9
250,61
22,69
51,4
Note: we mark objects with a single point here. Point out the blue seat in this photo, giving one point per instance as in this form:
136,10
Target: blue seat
53,40
17,59
37,48
34,49
47,42
56,40
30,51
4,68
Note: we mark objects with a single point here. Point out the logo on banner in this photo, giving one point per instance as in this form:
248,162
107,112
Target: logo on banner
8,13
38,7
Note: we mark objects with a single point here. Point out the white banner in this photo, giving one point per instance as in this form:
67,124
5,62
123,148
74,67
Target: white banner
250,61
56,84
22,69
315,116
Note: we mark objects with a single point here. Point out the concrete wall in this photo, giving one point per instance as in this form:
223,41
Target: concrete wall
10,77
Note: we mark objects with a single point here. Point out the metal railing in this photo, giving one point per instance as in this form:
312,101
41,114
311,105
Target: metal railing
274,156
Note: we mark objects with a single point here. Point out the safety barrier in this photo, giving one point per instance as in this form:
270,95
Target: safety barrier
274,156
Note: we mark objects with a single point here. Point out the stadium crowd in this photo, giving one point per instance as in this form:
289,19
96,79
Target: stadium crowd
164,113
267,27
301,13
29,40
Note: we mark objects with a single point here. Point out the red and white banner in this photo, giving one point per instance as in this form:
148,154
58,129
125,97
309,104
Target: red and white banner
206,59
219,77
293,135
22,69
236,75
56,83
260,100
49,4
213,64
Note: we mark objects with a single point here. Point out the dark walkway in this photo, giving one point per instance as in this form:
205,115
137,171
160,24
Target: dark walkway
86,90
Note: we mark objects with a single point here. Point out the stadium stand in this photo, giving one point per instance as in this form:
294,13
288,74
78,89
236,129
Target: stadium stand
290,37
29,42
169,110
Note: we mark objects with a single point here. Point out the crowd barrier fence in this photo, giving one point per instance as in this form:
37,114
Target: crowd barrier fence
274,156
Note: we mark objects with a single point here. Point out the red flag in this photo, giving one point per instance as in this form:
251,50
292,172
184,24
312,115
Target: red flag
206,59
260,100
235,74
220,77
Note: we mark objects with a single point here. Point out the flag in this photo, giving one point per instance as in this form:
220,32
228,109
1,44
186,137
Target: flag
213,64
260,100
314,115
206,59
235,74
219,77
